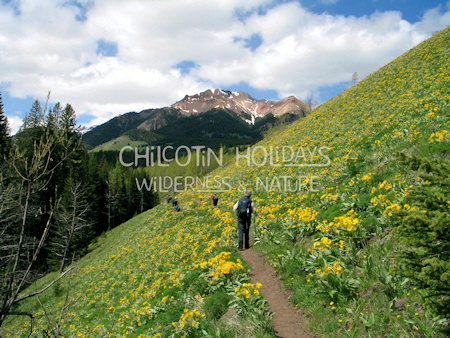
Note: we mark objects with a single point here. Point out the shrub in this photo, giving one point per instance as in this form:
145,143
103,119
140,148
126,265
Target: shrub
424,232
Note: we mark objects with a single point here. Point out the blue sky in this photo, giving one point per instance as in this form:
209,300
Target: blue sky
109,57
412,10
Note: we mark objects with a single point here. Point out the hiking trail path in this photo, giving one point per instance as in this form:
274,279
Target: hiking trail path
288,322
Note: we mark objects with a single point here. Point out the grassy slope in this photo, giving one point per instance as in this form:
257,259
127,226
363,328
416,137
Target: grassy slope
347,285
118,143
127,283
142,276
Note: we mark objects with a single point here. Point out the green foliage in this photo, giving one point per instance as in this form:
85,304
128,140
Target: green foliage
36,116
214,128
146,136
127,123
338,287
67,186
248,302
269,121
216,305
114,146
111,129
4,132
424,231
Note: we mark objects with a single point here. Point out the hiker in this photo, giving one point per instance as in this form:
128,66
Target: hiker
215,199
244,209
176,207
168,198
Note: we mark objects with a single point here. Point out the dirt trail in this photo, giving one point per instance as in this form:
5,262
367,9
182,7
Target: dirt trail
288,321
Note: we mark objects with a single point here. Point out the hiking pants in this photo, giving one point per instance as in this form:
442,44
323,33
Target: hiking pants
243,232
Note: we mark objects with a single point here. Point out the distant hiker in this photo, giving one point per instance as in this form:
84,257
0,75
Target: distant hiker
175,205
215,199
244,209
168,198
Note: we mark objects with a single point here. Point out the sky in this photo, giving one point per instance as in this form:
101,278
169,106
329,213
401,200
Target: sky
109,57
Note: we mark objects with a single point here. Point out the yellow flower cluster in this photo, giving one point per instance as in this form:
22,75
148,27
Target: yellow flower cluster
439,136
347,222
247,289
329,196
333,268
324,241
189,318
385,185
269,209
393,207
367,177
380,200
221,265
388,205
303,214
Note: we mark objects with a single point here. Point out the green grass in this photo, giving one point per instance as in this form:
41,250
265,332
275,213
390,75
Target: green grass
333,247
118,143
144,275
396,110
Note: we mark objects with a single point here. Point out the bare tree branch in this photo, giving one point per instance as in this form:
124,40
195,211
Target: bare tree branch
45,288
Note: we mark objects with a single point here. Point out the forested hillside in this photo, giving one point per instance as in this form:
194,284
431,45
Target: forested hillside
55,198
216,128
353,212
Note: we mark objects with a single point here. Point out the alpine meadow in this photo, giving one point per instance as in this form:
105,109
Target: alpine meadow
353,213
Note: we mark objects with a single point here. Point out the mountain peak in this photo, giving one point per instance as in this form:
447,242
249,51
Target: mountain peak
241,103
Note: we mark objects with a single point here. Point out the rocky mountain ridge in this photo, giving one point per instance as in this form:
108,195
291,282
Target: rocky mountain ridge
241,103
256,114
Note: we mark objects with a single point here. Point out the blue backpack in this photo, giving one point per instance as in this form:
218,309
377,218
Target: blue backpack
244,209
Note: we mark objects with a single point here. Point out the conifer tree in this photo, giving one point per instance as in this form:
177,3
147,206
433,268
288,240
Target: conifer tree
67,120
4,132
53,116
35,117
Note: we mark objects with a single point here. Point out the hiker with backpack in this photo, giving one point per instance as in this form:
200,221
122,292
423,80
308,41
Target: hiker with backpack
215,199
244,209
175,205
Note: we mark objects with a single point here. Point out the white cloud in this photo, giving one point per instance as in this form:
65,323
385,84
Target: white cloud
44,39
47,48
14,122
434,20
303,51
109,87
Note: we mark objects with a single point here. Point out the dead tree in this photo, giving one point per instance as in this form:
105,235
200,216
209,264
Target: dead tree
27,175
70,220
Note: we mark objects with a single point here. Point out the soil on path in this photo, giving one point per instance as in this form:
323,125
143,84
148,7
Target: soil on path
288,321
